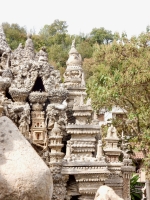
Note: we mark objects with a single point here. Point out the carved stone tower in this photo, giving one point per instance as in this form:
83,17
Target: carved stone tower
74,76
58,121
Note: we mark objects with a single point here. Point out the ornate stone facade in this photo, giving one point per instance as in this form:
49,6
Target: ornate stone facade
58,121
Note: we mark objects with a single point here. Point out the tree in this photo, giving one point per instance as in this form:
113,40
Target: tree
85,49
101,35
121,77
57,27
15,34
58,55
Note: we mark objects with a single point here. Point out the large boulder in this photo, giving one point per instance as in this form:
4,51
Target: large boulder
23,174
106,193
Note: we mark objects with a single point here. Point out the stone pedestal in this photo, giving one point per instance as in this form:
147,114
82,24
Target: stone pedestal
111,150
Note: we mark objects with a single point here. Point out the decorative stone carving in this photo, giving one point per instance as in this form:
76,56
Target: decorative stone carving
99,154
74,74
19,95
4,84
5,59
29,47
4,47
38,129
24,121
37,97
106,193
57,95
127,170
112,132
59,122
68,151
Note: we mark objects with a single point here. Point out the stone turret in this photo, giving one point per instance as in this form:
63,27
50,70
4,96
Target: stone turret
4,47
74,76
111,150
88,167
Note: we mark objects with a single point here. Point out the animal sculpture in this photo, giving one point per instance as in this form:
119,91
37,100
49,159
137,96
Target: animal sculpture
106,193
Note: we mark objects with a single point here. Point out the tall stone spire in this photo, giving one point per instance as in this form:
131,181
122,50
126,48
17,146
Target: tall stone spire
3,44
74,73
74,77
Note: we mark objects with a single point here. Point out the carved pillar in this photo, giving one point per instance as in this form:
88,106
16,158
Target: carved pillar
147,189
55,121
59,182
111,149
127,172
38,129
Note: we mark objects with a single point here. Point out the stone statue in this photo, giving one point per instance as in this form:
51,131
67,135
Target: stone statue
99,154
51,116
68,150
62,106
56,131
24,124
24,120
106,193
29,43
5,59
43,56
112,132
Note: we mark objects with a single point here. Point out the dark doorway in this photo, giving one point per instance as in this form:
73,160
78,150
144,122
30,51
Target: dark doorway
38,86
72,187
74,198
8,95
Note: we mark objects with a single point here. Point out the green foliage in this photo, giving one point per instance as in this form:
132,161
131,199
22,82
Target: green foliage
121,77
57,27
134,191
38,42
85,49
101,35
57,42
58,55
14,34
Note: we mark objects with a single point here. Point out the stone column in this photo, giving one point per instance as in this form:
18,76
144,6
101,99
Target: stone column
147,189
127,174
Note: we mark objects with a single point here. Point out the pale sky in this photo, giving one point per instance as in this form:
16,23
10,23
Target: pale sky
81,16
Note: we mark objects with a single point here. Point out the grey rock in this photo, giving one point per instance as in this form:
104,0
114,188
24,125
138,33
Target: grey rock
23,174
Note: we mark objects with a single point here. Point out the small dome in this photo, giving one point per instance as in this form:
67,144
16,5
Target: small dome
73,50
74,59
74,56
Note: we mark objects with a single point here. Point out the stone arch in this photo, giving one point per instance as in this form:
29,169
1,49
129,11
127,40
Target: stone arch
72,188
38,85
